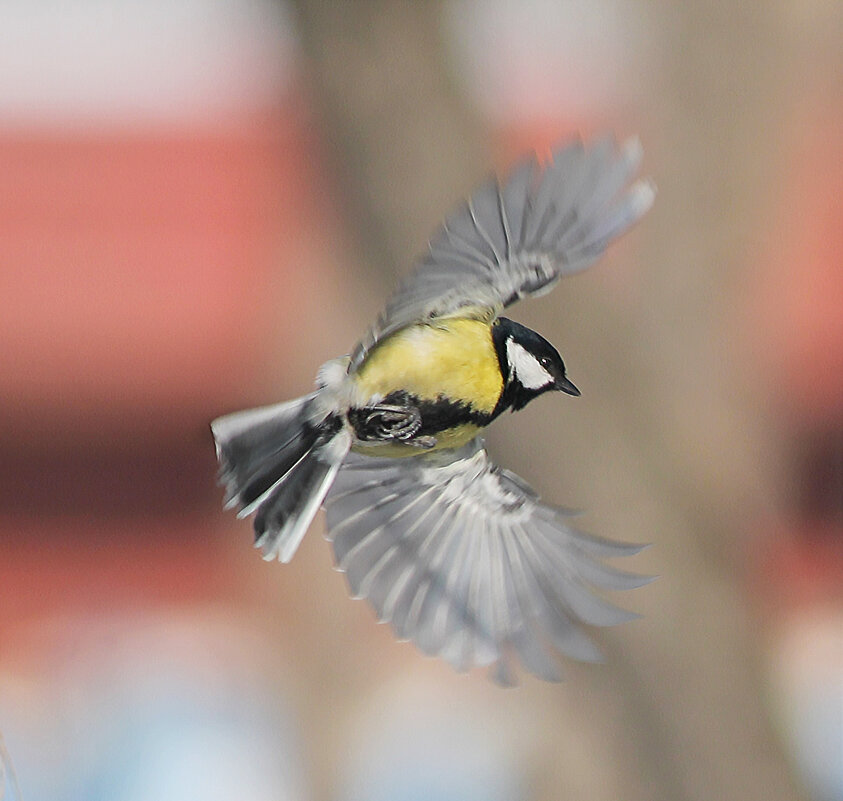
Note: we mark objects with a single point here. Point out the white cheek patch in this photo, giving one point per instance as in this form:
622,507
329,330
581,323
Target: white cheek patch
526,367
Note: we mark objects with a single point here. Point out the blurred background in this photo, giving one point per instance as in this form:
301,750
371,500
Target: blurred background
203,200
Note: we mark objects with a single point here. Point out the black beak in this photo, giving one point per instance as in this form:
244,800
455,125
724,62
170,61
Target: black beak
565,385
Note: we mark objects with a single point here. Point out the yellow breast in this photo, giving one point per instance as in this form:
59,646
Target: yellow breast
453,359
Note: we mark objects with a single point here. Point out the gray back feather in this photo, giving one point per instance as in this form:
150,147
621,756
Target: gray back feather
516,239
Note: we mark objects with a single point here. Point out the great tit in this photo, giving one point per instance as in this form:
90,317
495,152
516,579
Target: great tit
457,553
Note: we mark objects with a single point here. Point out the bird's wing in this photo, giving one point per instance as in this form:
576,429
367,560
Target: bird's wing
516,239
462,558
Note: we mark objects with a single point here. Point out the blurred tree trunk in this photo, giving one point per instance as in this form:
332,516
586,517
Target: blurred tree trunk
401,138
677,713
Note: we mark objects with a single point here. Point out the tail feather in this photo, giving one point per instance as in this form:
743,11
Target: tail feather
279,461
286,514
288,455
252,442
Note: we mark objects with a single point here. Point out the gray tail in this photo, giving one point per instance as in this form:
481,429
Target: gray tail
279,462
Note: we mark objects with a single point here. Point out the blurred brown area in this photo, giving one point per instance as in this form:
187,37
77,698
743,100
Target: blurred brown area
159,279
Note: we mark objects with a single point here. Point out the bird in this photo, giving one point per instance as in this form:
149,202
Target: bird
459,555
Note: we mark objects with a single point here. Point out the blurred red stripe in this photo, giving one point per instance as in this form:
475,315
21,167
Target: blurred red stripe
134,265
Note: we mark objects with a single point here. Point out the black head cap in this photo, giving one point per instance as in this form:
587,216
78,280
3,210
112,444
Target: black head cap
529,363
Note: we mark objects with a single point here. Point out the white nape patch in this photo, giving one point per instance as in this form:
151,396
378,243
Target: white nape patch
526,367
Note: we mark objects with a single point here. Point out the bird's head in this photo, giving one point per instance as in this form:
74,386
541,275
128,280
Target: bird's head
530,365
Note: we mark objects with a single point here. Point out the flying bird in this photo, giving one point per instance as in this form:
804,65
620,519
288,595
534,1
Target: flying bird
458,554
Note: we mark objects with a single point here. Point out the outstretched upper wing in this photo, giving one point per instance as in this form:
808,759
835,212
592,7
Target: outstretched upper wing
462,558
516,239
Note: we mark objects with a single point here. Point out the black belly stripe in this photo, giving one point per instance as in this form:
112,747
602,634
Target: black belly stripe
442,414
437,415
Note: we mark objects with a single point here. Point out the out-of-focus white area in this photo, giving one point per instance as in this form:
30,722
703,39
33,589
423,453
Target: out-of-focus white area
140,62
414,741
173,707
559,59
808,679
